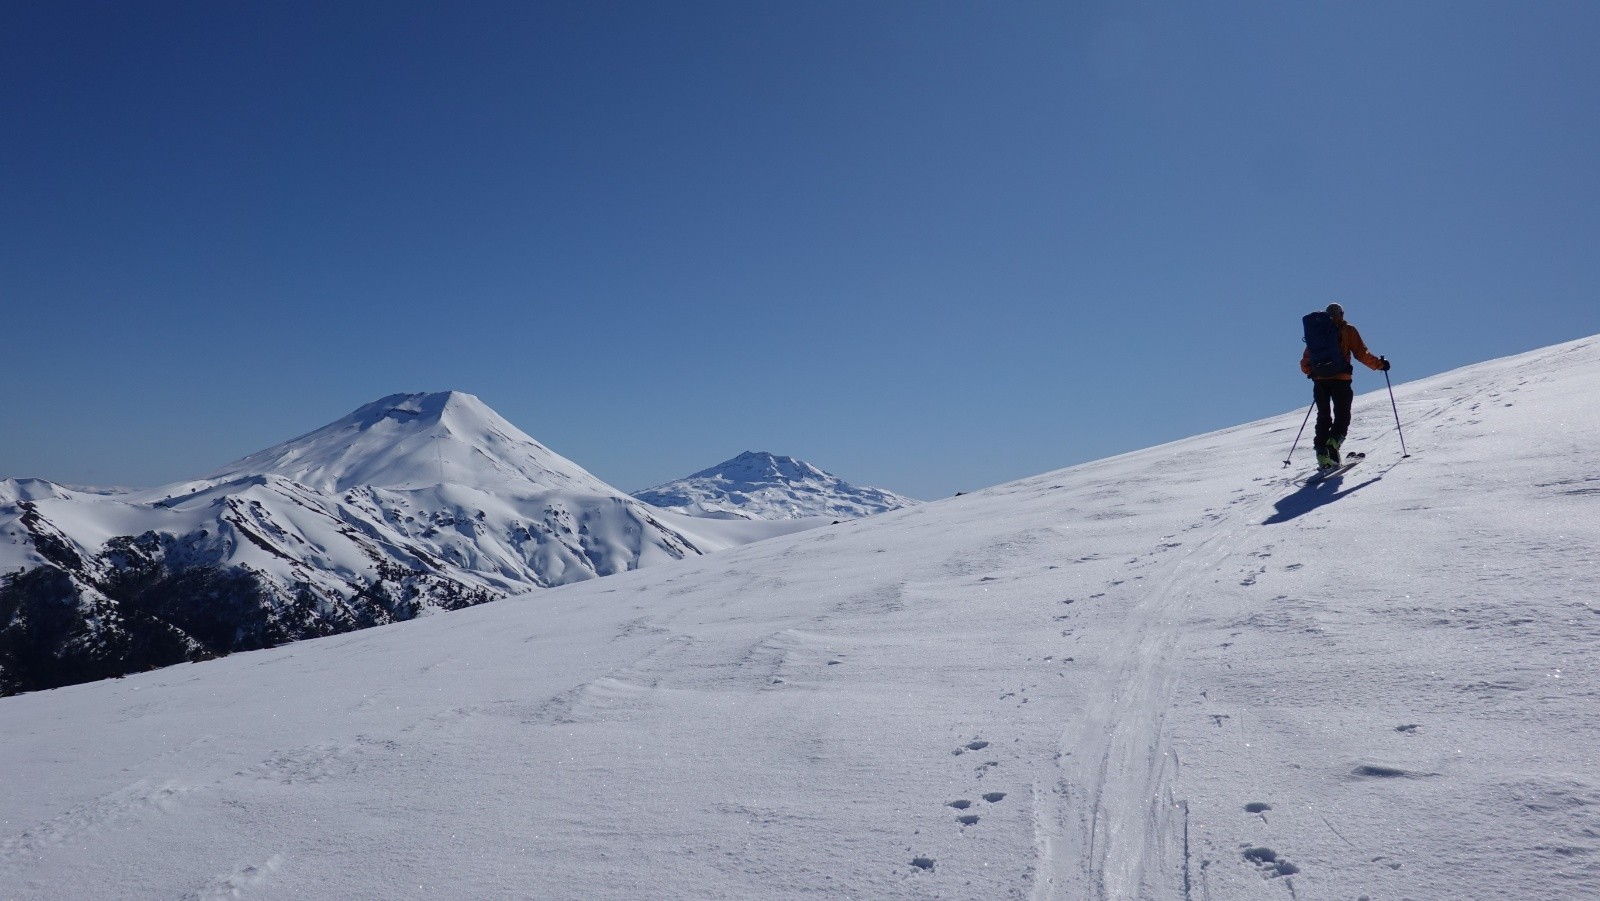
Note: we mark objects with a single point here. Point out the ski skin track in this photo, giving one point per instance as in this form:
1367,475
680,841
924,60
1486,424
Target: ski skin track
1117,830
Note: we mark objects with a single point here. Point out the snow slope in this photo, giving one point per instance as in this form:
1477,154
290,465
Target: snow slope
761,485
1174,674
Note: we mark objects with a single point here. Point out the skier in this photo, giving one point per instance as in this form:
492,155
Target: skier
1330,341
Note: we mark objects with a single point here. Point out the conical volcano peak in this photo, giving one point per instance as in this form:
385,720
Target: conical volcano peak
763,466
415,440
456,408
764,485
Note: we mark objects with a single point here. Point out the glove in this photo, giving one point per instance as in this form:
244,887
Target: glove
1383,365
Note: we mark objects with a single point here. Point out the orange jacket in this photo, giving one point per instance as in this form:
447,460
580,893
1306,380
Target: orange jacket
1350,341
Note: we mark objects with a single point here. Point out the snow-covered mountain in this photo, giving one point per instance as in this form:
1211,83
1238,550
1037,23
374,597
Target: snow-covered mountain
1180,674
760,485
408,441
409,504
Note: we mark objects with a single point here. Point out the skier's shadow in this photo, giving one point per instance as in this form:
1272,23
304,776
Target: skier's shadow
1314,495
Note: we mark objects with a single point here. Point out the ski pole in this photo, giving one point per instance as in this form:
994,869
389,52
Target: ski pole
1299,433
1396,409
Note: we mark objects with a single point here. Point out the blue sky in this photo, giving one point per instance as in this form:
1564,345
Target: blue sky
927,246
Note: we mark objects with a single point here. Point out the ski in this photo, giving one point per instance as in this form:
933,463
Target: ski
1349,463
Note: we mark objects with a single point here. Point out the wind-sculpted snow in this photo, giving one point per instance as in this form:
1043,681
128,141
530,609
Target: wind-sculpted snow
766,486
1132,679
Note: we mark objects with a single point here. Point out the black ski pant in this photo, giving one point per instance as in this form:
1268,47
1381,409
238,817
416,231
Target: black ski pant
1333,397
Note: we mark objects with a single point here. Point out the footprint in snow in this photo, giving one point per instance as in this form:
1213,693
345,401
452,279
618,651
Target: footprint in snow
1270,863
977,744
994,797
922,863
970,819
961,804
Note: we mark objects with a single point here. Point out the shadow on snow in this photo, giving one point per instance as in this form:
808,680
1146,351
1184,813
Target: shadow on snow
1314,495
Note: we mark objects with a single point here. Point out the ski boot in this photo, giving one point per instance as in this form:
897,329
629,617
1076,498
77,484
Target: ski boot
1333,449
1328,454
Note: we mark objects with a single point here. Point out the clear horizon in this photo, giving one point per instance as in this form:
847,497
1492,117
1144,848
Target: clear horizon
928,247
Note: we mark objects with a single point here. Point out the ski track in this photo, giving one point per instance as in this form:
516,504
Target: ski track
1116,830
1117,769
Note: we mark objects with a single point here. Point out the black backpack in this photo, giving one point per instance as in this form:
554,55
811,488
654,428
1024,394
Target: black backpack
1324,349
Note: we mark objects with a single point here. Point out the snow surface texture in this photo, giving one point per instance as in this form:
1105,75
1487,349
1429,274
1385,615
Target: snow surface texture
759,485
1174,674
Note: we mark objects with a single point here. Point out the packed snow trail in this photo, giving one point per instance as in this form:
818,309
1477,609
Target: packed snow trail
1119,831
1171,675
1120,767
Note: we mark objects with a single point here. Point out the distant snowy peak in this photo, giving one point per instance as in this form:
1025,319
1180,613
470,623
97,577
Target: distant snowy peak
418,440
760,485
761,468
